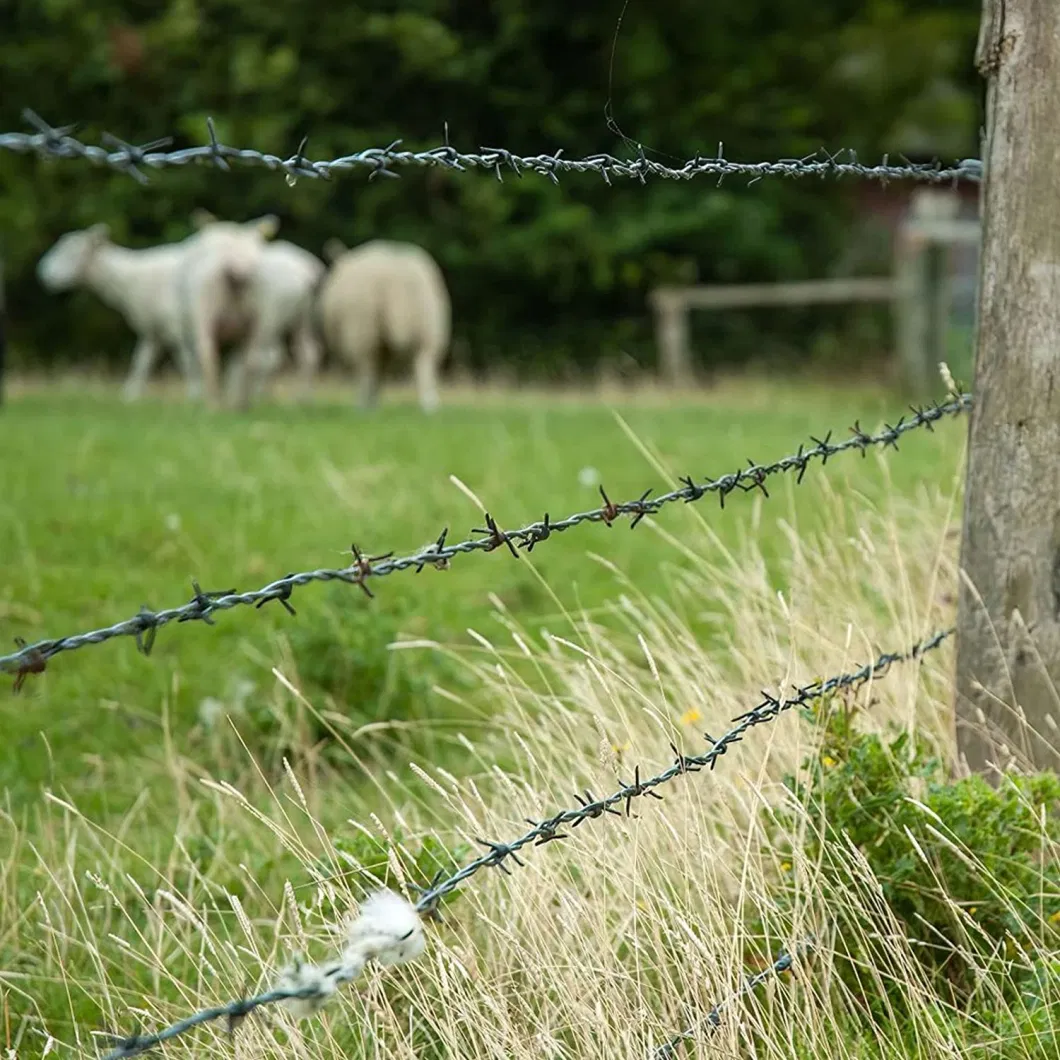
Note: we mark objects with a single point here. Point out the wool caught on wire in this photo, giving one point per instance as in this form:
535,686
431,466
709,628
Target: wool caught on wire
387,930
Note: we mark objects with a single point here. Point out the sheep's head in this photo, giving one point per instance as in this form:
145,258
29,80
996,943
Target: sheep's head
264,227
65,265
235,246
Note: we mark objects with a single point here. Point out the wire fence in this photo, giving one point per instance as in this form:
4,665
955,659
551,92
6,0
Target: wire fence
311,986
320,983
114,153
33,658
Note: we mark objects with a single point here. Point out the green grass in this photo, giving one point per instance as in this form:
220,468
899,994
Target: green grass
106,507
112,773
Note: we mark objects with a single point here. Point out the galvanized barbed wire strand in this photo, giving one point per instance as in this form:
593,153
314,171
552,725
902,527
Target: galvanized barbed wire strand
547,831
144,625
59,142
234,1012
783,963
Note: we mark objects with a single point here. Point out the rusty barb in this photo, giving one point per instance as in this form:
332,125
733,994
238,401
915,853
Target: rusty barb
503,855
59,142
32,659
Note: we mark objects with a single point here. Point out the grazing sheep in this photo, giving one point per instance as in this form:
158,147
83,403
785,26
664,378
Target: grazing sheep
283,294
216,300
144,286
139,284
390,294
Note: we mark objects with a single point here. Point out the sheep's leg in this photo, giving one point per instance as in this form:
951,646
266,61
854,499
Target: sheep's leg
426,370
210,363
368,372
307,353
235,384
255,366
188,365
145,358
267,365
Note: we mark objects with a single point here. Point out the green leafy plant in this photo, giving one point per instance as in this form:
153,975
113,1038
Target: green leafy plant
970,872
373,860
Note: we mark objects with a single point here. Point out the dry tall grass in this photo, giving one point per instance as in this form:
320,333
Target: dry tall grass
603,945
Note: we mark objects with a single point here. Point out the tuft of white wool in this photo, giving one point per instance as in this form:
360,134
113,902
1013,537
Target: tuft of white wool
386,296
299,976
387,929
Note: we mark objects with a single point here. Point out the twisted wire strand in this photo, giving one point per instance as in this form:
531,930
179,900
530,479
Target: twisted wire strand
60,143
145,624
784,963
767,710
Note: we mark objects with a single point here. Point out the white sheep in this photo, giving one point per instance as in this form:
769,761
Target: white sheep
144,286
217,301
282,294
139,284
386,294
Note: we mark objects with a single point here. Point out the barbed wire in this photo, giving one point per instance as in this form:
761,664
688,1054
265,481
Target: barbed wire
590,807
33,658
59,142
322,986
784,963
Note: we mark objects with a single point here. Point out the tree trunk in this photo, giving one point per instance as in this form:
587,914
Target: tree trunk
1008,651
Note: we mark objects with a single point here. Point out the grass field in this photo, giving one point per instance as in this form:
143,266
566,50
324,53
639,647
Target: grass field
106,508
165,857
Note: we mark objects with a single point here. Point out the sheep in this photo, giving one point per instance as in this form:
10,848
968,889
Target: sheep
216,300
139,284
282,293
392,294
144,286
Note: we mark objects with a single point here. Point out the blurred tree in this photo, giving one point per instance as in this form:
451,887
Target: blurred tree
539,274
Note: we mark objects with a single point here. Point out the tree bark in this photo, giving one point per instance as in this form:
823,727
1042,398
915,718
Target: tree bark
1008,650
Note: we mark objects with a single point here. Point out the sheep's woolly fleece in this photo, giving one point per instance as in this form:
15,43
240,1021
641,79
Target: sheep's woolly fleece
387,929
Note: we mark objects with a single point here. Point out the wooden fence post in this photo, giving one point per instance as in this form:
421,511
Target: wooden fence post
672,336
922,282
1008,646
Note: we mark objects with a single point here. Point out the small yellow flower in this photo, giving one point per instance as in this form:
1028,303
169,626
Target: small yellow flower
690,716
827,761
618,748
785,866
971,912
1055,918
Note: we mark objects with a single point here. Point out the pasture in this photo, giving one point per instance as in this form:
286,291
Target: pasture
181,823
108,507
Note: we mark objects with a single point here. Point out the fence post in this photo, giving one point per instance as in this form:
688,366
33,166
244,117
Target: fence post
1008,649
922,282
671,335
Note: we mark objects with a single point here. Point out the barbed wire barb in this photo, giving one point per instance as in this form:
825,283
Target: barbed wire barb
204,604
113,152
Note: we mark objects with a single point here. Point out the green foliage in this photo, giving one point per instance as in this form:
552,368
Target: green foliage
372,859
532,267
969,872
342,650
342,653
